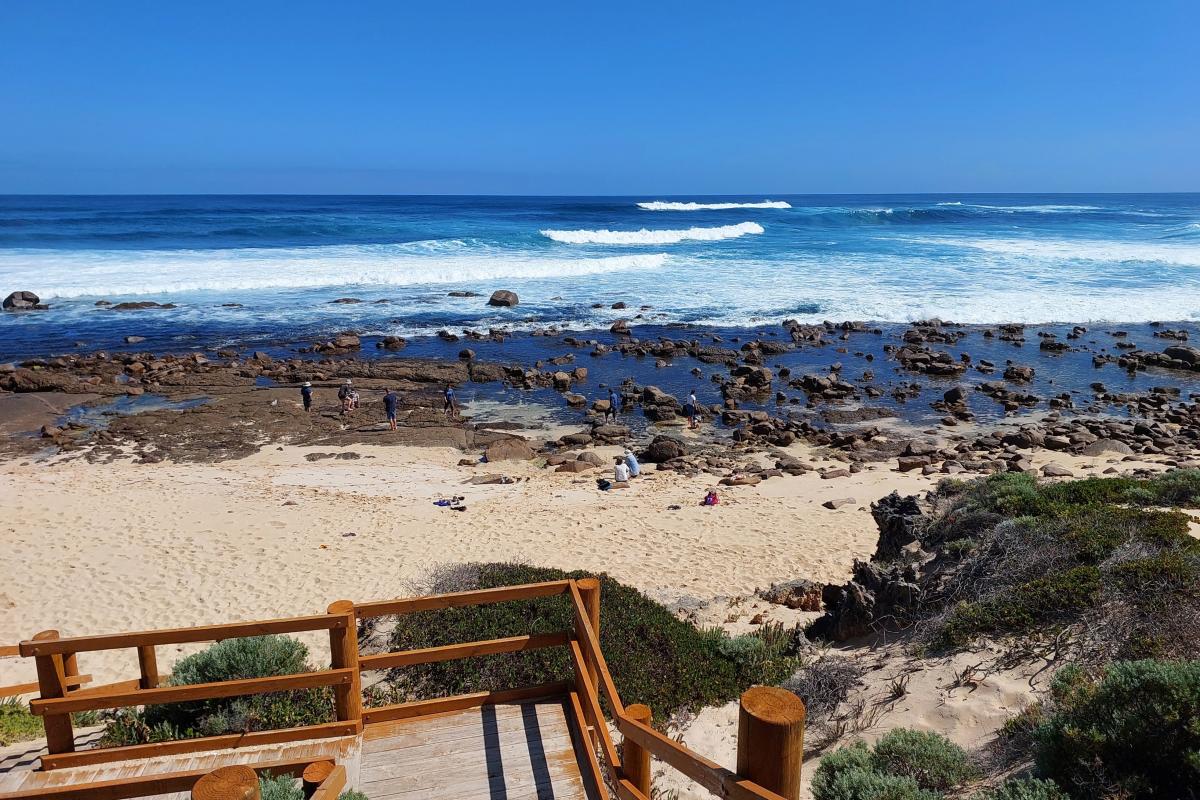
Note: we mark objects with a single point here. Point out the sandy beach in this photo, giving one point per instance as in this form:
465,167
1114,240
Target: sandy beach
124,546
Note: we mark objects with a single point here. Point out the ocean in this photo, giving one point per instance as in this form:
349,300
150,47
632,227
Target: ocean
264,269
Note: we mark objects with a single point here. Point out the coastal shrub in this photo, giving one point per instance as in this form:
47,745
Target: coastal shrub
1133,732
16,723
234,659
1018,556
1023,789
903,765
824,684
933,761
654,657
279,787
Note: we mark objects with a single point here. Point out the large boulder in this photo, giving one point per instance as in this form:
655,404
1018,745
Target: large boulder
24,301
874,596
801,594
1180,352
508,450
347,341
1105,446
503,298
664,448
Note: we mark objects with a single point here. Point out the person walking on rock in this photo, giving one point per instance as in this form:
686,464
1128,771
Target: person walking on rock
450,406
306,395
391,402
613,400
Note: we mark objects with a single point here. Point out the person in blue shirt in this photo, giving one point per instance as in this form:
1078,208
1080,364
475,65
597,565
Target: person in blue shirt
391,401
613,405
631,461
306,395
450,406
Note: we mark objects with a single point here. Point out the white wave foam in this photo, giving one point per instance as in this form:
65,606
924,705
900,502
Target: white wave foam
113,273
662,205
1046,209
649,237
1184,255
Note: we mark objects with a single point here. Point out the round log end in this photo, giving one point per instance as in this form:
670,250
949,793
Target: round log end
588,584
340,607
639,712
770,705
316,773
227,783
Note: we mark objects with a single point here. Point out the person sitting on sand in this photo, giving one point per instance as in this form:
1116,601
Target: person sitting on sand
693,410
391,401
306,395
449,406
631,461
621,473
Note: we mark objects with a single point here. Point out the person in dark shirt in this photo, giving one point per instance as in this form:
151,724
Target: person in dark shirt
306,395
390,401
614,403
449,407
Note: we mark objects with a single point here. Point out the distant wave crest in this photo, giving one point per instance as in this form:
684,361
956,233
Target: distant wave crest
662,205
649,237
1044,209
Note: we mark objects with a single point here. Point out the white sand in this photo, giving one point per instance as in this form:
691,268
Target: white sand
92,548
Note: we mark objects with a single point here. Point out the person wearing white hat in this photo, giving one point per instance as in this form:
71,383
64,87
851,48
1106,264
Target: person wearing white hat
306,395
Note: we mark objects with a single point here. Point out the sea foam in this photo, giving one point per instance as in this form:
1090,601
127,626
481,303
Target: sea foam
117,273
649,237
662,205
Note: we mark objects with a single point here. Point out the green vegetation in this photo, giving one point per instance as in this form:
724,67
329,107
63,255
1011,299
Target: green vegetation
1023,789
1018,556
16,723
654,658
1137,729
282,787
235,659
903,765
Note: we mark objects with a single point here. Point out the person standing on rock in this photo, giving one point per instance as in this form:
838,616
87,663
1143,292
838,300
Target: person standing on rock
693,410
306,395
449,407
344,395
613,400
391,402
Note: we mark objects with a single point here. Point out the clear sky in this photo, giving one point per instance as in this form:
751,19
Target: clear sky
568,97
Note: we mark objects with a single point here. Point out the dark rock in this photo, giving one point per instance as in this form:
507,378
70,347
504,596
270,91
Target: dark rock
664,448
24,301
803,595
899,519
508,450
503,298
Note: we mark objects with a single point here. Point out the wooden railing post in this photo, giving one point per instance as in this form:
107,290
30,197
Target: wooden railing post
148,663
635,759
770,743
228,783
589,592
52,683
343,649
314,775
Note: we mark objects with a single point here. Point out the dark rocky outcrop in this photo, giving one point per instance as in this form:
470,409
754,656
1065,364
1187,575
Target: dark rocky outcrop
503,298
24,301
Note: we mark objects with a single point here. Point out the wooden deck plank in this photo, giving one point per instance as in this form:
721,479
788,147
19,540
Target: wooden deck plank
514,751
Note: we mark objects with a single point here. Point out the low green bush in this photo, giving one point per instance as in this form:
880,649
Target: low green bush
1021,607
1137,728
1024,789
234,659
284,787
16,723
903,765
654,657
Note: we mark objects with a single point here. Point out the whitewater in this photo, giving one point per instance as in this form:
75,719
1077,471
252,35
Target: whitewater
256,266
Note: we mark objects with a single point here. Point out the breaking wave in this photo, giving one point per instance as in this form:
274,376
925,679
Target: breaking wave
98,273
662,205
649,237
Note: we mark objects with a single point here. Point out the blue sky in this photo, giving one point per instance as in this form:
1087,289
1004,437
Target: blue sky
598,98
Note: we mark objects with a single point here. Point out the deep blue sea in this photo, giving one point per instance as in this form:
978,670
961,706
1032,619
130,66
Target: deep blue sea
248,269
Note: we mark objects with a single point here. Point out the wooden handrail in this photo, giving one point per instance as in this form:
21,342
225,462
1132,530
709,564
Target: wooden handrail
72,681
203,633
590,645
188,692
9,651
476,597
175,747
145,785
451,652
592,713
